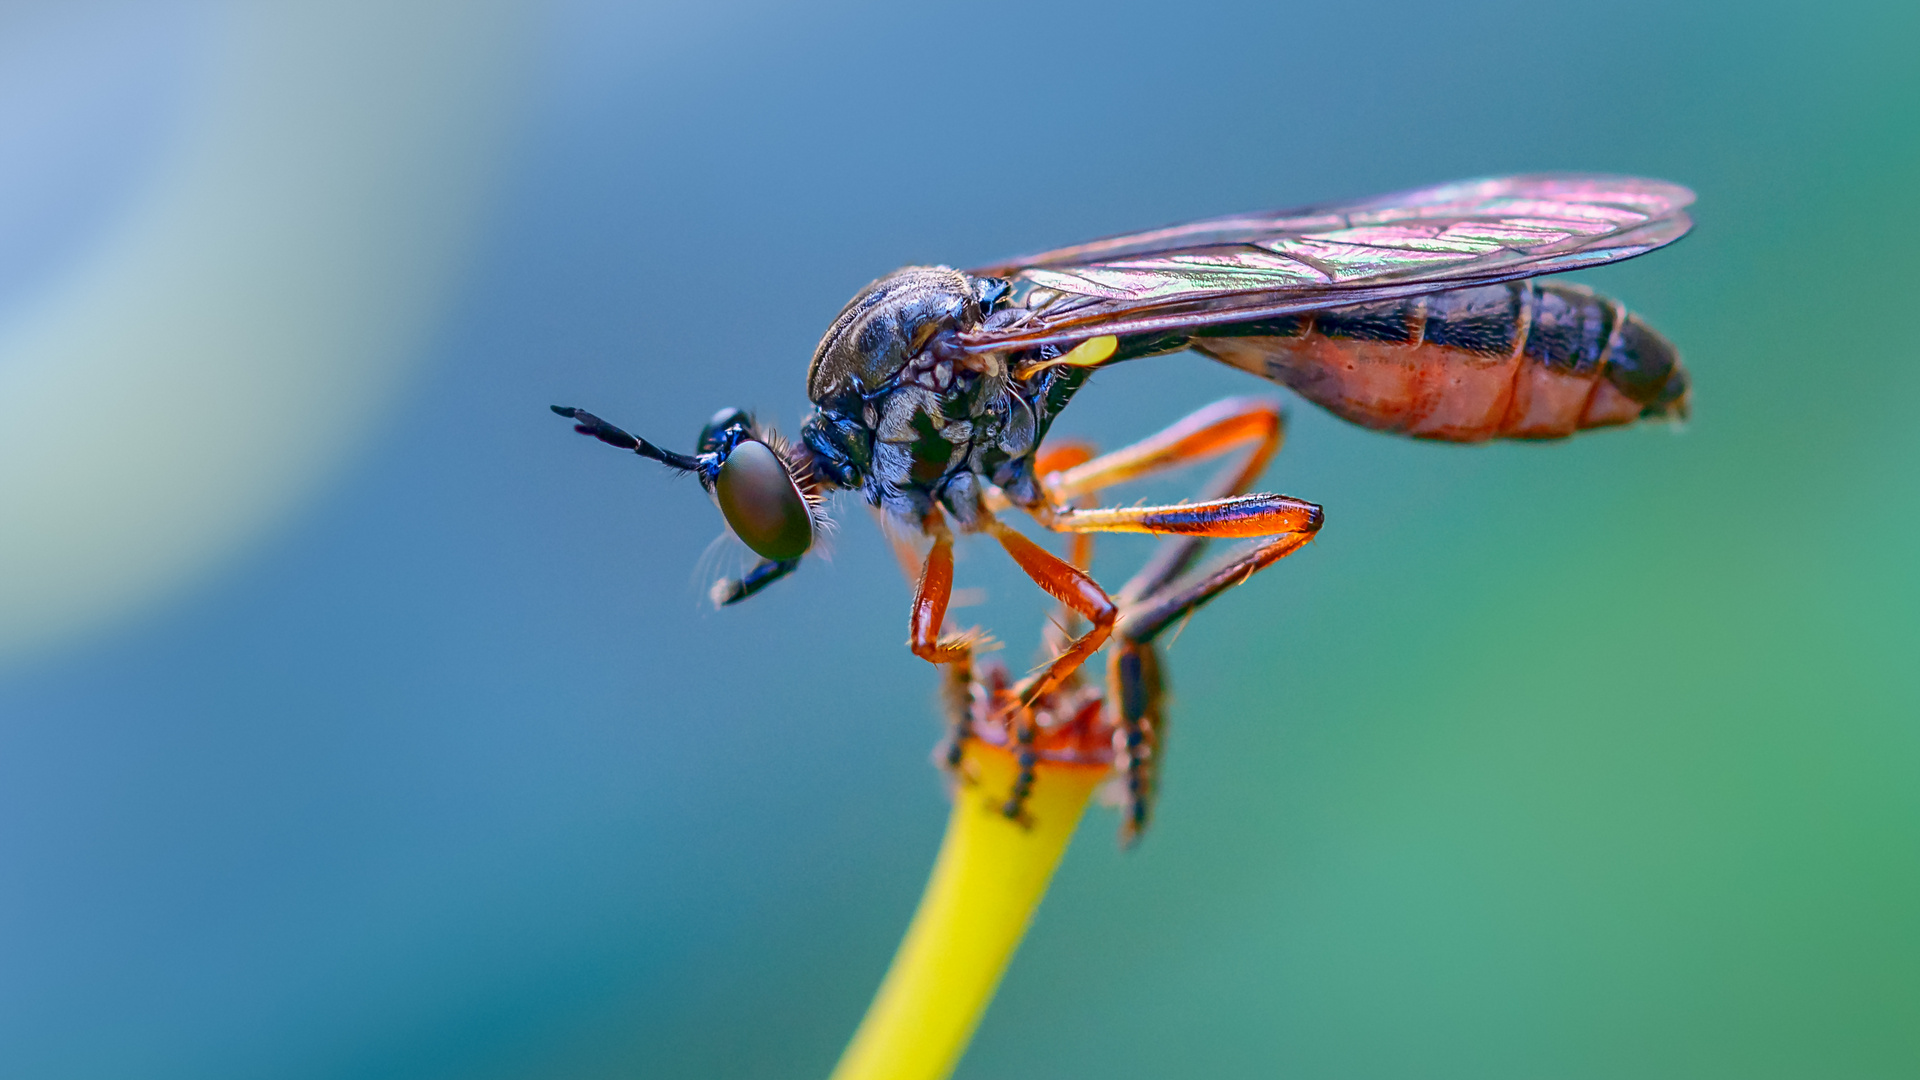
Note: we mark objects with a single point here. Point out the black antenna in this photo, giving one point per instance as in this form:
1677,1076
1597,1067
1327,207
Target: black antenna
588,424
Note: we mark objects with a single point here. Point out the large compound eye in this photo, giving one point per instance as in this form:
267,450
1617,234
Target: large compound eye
762,504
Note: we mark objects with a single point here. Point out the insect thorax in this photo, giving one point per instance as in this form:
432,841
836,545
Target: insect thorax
908,417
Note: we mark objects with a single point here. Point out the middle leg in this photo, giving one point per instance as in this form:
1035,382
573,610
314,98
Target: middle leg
1254,423
1225,512
1250,422
1071,586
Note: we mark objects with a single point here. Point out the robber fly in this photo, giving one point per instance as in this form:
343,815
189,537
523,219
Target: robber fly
934,388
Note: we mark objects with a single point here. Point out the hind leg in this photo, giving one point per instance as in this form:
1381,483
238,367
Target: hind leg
1234,423
1135,688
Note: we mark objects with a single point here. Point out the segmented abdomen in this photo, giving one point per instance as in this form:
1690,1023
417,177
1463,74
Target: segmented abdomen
1521,360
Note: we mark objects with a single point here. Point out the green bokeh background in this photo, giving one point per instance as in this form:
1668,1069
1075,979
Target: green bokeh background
1593,759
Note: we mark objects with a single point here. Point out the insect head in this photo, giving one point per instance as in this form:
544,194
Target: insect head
762,488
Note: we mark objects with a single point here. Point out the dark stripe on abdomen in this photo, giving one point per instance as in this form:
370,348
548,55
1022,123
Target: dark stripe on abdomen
1528,360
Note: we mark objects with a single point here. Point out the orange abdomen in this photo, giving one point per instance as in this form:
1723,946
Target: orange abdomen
1521,360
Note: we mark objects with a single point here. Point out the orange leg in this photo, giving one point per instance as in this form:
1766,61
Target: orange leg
1249,417
1222,426
1071,586
1154,600
1135,687
1055,458
1157,612
1216,429
930,600
1059,458
1056,639
1062,455
1236,516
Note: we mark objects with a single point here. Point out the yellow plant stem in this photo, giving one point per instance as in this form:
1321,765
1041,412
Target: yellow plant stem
988,880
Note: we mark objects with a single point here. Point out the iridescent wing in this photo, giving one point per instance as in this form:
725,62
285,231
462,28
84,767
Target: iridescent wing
1251,266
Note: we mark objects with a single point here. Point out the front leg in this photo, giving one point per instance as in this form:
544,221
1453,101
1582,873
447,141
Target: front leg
764,573
956,699
930,599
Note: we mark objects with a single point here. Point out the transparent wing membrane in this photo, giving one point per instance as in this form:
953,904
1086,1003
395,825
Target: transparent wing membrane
1250,266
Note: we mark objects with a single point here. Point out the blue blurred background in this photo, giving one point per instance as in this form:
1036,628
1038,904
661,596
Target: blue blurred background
357,720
